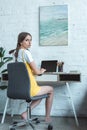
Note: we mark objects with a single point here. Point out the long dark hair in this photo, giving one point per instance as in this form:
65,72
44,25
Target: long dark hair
21,37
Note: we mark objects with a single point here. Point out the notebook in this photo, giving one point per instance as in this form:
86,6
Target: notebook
49,65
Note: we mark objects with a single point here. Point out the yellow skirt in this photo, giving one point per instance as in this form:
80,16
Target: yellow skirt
34,87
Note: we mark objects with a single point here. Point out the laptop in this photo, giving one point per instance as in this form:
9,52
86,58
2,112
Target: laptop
49,65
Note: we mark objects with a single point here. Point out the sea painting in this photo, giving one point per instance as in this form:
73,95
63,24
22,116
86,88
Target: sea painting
53,27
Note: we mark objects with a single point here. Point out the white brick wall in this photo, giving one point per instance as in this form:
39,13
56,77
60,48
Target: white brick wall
22,15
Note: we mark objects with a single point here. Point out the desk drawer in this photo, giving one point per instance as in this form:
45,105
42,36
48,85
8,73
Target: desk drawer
70,77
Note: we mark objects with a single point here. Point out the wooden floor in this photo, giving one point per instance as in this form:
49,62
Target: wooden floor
59,123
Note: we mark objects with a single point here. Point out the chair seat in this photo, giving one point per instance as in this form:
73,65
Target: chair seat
39,97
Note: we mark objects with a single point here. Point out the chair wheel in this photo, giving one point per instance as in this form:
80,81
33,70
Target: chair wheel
50,127
37,121
12,129
15,122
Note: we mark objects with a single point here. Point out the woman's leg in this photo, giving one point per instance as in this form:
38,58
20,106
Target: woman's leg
33,104
49,100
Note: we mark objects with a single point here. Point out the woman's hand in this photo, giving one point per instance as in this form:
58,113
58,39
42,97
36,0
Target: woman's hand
42,70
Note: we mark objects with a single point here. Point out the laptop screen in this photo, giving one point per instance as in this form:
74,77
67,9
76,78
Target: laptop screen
49,65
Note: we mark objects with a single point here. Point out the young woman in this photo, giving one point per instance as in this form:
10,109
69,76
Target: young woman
22,54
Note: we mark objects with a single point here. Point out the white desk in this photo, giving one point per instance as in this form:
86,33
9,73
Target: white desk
67,78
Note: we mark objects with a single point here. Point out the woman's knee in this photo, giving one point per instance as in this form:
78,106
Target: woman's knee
51,89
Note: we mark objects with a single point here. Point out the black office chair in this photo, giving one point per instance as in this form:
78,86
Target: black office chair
19,88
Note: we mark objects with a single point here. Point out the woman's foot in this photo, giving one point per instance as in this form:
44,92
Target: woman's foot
24,115
48,120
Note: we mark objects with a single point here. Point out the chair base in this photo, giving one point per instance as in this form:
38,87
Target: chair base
20,123
27,122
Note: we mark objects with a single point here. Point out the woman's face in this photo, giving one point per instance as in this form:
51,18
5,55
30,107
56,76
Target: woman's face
26,43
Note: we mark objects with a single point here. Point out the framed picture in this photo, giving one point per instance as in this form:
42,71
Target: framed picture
53,28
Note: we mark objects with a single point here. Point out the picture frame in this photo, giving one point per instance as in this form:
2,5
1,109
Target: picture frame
53,28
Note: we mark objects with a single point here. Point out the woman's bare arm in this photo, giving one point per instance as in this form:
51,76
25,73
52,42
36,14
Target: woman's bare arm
36,70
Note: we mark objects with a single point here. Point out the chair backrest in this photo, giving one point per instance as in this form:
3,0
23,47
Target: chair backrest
18,81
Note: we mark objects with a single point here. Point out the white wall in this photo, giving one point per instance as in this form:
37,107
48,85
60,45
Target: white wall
23,15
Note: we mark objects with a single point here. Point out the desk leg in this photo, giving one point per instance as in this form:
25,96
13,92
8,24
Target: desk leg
77,123
4,113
